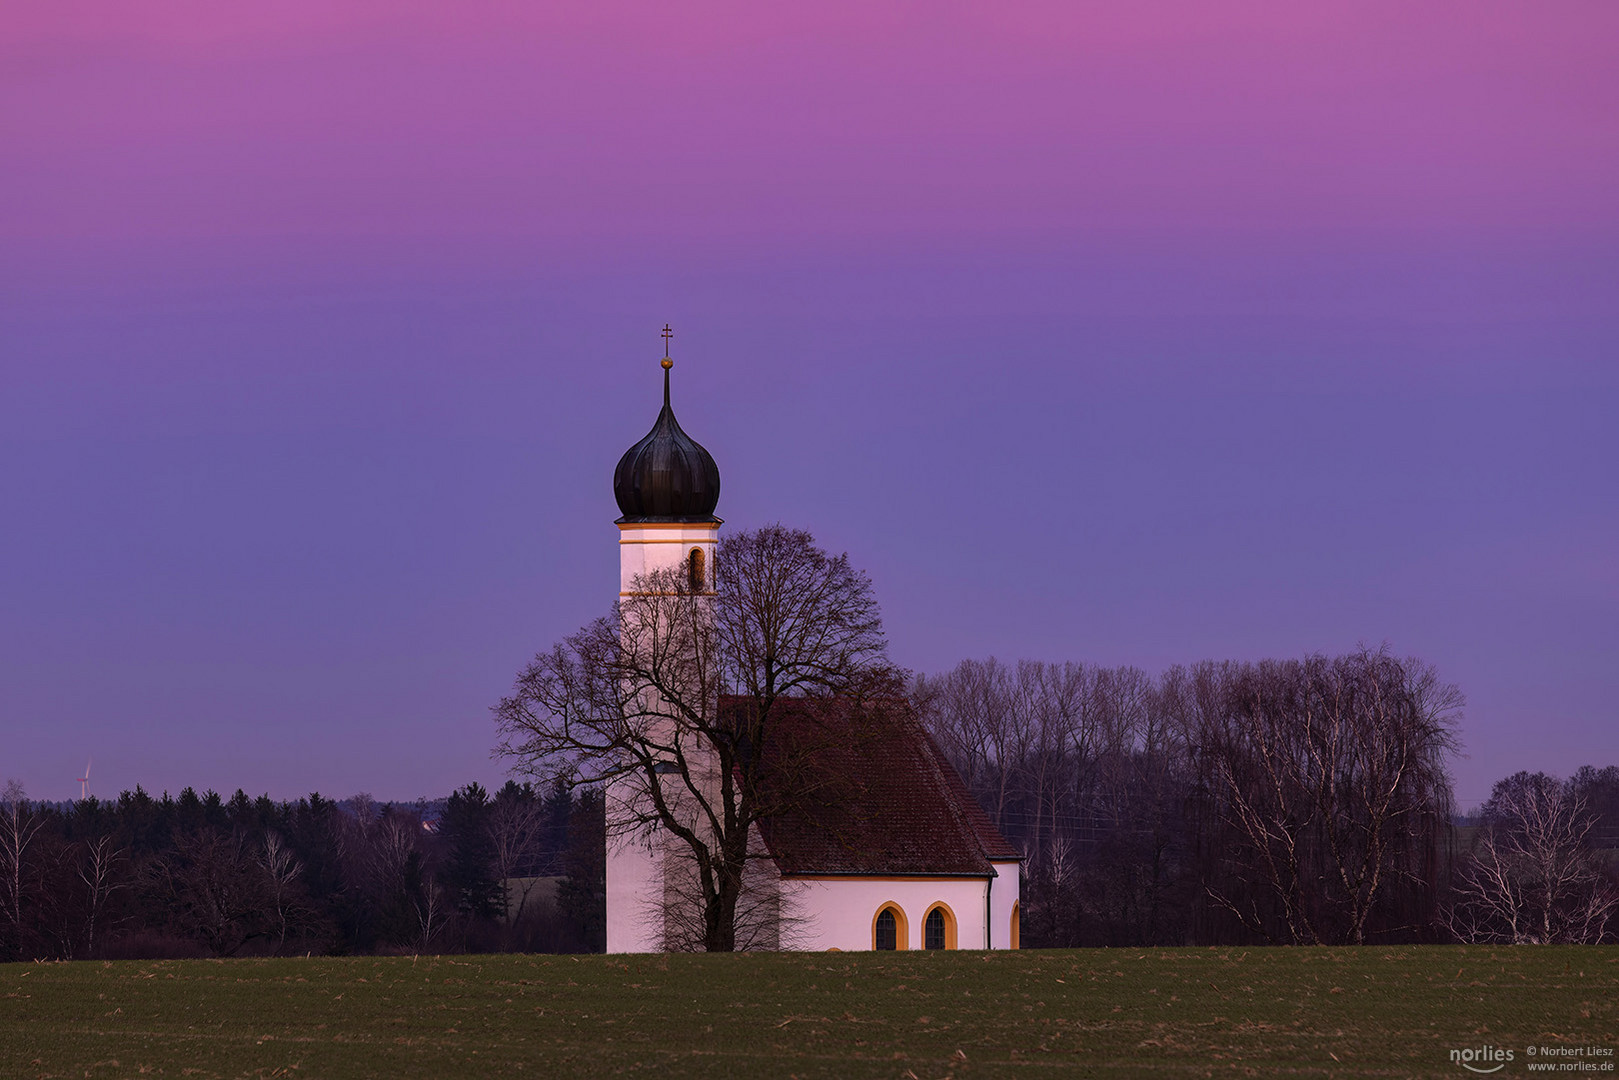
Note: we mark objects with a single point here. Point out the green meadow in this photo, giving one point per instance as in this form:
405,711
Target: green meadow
1107,1012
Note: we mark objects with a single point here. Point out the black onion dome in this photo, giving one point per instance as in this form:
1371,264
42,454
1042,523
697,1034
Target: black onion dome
667,476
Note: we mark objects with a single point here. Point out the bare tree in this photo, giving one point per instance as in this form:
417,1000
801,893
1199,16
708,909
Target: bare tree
394,839
1003,727
1132,792
216,887
518,821
1532,877
19,825
1061,747
955,707
766,918
281,872
97,867
395,878
1600,790
1330,778
633,701
1074,765
428,905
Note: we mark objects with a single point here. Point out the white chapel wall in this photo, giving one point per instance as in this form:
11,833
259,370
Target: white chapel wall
634,874
1003,898
837,913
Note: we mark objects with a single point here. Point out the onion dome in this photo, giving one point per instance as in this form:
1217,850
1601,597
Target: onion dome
667,476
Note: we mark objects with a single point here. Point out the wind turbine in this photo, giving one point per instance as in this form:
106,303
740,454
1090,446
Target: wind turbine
84,782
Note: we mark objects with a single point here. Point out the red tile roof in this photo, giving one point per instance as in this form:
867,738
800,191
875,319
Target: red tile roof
865,790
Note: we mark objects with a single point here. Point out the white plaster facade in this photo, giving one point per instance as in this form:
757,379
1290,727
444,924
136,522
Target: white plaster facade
633,878
636,865
1005,904
823,912
841,912
646,547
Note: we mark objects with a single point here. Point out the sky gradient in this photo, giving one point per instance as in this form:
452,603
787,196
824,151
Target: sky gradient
1131,334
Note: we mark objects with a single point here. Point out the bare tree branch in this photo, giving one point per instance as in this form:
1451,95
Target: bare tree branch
633,702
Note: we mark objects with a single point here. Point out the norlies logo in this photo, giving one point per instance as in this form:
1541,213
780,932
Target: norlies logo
1474,1058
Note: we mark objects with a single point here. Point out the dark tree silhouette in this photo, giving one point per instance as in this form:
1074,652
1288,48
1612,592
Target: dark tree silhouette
1329,779
632,701
582,896
469,872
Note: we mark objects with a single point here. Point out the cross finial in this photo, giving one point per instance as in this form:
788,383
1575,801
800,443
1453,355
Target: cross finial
667,334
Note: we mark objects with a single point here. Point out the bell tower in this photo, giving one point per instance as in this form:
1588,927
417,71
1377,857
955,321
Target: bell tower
667,487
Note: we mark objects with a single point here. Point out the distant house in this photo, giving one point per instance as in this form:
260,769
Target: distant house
886,850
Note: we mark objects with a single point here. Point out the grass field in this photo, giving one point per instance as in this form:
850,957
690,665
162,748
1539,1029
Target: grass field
1151,1012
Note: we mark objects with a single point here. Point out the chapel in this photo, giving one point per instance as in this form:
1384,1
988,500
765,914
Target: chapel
893,853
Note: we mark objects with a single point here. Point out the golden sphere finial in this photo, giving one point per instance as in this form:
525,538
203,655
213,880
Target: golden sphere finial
667,363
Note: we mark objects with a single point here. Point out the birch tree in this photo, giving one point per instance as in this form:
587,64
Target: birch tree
19,826
1532,876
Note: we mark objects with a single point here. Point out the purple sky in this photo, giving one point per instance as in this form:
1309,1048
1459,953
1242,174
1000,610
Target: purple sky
1140,333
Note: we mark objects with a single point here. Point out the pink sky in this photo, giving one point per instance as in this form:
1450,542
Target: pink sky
323,323
606,121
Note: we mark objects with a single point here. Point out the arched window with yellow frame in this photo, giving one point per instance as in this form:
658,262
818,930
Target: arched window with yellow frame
888,928
1015,927
939,927
695,574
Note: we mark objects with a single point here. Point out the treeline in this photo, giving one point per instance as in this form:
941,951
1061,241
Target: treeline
1294,802
198,875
